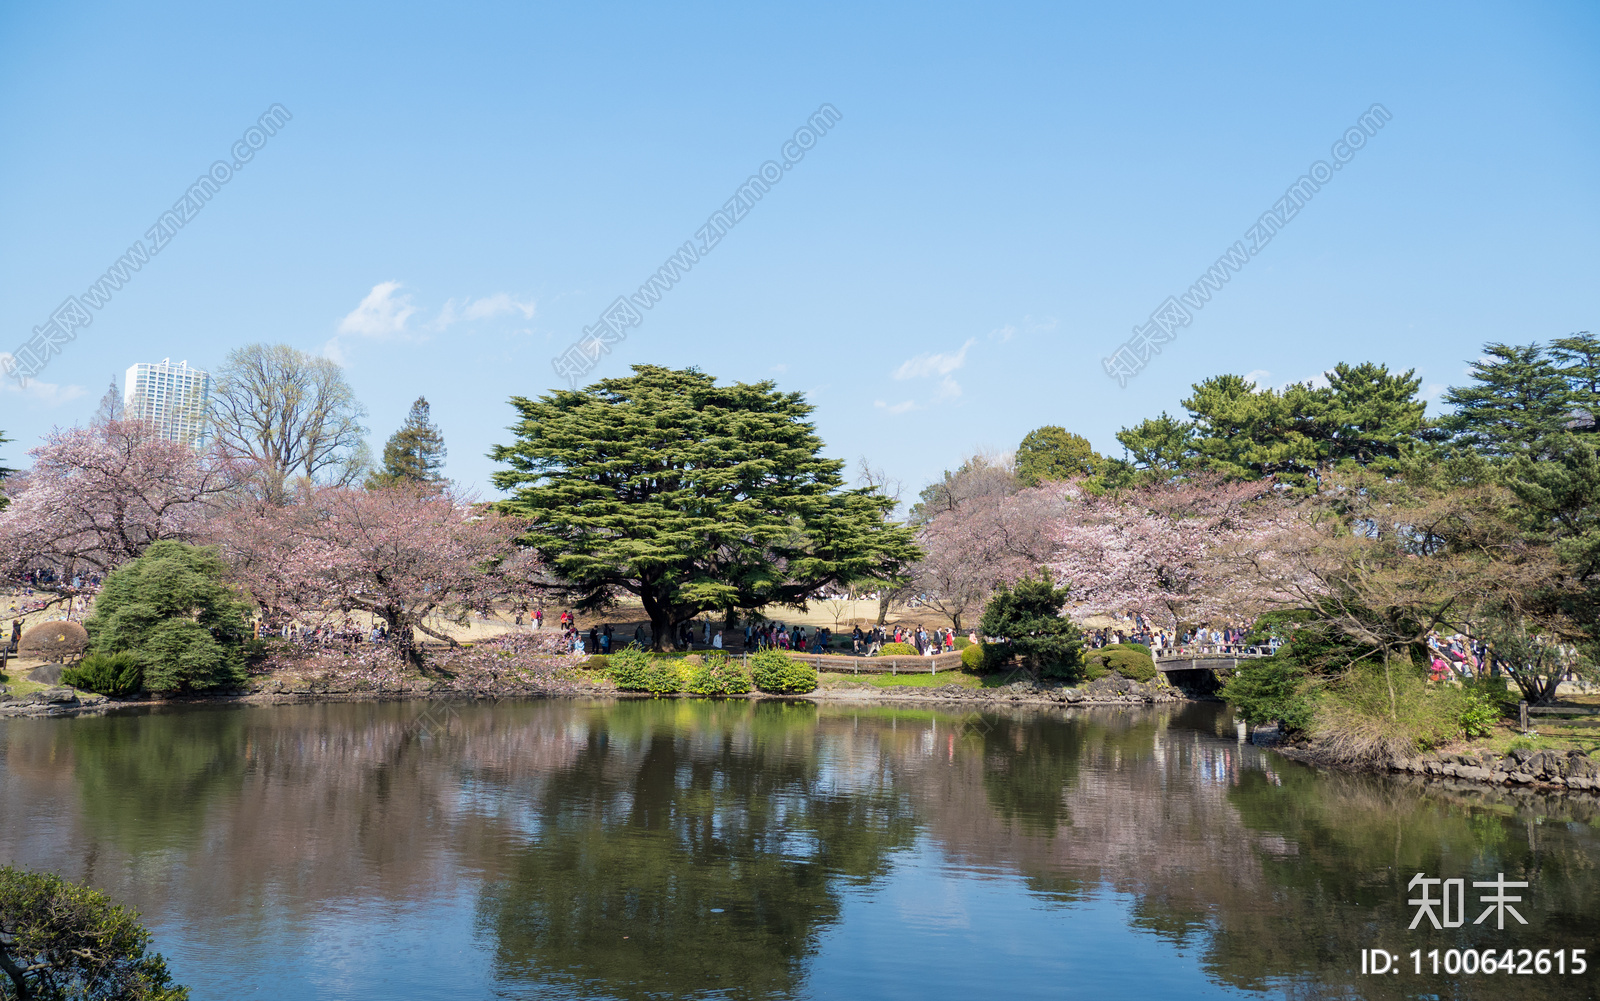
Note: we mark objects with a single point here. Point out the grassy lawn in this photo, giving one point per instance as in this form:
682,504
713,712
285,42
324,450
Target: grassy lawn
16,684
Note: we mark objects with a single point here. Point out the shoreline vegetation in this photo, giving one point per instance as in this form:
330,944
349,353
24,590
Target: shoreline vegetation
516,668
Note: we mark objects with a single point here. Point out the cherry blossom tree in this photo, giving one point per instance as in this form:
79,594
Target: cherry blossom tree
405,554
95,497
978,543
1165,550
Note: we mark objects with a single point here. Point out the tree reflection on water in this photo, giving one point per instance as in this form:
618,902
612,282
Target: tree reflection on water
650,848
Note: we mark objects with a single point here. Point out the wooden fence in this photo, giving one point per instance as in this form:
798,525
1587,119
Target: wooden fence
1524,710
893,664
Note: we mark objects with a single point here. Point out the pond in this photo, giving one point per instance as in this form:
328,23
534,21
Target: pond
633,849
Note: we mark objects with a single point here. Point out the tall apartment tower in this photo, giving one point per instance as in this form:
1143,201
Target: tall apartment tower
172,397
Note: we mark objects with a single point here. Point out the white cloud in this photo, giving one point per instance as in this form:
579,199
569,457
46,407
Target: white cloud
1002,334
488,307
386,312
381,314
49,394
1260,377
898,408
1434,391
934,364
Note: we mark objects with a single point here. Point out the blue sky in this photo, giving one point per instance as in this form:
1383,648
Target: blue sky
1010,190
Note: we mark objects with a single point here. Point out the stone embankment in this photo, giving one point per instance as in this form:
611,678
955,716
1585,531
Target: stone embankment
1112,690
1522,766
51,702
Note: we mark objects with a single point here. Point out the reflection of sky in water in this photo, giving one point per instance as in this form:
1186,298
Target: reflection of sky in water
327,852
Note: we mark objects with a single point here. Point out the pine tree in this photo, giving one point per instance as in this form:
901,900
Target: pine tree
413,454
692,496
1519,398
1163,443
1374,413
1580,355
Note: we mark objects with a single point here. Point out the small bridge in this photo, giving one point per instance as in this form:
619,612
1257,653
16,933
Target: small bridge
1202,667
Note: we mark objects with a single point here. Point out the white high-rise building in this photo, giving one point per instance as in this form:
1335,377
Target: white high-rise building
172,397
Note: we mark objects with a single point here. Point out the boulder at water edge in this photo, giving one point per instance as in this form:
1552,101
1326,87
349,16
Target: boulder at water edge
46,674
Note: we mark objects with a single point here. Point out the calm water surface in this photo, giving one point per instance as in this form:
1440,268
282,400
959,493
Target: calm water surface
671,849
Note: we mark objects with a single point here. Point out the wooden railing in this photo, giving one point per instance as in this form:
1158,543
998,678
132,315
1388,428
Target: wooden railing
1524,710
891,664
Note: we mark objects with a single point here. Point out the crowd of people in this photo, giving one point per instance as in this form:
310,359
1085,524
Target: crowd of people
1228,638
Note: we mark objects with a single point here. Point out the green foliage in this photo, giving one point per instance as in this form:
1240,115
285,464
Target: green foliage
61,941
1478,713
172,610
974,656
1366,415
1026,622
774,672
1054,453
1379,712
628,668
897,650
717,674
1141,647
1124,659
413,454
693,496
113,674
1163,443
664,676
962,643
1273,688
1518,397
597,662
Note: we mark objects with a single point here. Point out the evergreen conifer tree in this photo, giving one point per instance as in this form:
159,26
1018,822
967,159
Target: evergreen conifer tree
1519,397
413,454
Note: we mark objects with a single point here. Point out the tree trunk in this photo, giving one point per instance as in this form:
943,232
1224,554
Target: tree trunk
883,608
19,980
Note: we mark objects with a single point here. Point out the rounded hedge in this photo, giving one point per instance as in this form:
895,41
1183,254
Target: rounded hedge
973,656
717,675
1121,658
897,650
776,673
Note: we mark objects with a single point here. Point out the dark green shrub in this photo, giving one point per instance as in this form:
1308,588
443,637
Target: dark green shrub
1136,646
1274,688
1028,617
774,672
597,662
718,675
972,657
172,609
627,669
897,650
113,674
962,642
1126,659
